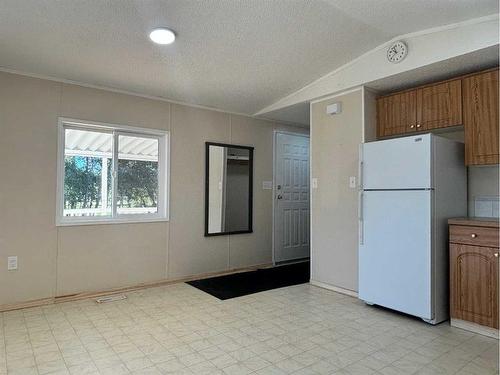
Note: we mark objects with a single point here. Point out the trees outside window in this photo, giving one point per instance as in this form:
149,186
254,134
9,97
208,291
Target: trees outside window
111,173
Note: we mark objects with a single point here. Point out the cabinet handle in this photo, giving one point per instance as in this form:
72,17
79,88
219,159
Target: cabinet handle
496,255
418,125
412,126
473,235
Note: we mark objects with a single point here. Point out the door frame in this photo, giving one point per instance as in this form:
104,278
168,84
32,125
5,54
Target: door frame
275,138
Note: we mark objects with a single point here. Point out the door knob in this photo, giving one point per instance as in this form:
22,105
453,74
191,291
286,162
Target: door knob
473,235
496,255
280,196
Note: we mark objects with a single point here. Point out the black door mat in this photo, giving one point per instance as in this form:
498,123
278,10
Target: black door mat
241,284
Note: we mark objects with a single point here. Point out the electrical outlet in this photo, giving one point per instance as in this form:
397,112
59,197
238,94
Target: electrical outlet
12,263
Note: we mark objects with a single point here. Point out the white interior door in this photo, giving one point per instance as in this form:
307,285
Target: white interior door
291,197
395,250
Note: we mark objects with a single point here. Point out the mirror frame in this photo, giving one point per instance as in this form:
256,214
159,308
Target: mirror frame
250,188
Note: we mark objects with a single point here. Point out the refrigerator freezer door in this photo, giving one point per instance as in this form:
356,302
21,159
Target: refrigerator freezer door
402,163
395,254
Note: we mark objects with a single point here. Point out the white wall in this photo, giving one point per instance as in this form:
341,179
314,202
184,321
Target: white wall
369,108
334,158
55,261
481,180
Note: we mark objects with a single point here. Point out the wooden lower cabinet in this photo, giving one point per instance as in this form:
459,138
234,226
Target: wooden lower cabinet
474,261
474,280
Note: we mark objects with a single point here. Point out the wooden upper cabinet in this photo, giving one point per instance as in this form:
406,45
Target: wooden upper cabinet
474,284
481,120
471,100
425,108
396,114
439,105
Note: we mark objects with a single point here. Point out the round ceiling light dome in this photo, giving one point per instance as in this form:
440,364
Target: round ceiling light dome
162,36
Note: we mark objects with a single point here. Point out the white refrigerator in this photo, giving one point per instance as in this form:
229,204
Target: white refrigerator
409,188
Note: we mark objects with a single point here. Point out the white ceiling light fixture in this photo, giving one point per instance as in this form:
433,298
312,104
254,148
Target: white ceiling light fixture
162,35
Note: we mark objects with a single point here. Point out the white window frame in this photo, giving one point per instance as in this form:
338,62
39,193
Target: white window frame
163,137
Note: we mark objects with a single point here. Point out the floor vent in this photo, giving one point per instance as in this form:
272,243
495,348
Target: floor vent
112,298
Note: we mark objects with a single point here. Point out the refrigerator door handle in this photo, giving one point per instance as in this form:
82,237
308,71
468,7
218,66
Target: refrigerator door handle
360,218
360,166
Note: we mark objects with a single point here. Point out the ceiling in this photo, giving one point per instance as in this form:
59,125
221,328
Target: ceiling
234,55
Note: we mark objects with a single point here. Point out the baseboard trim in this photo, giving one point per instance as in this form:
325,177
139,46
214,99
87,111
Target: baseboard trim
474,327
95,294
337,289
27,304
292,261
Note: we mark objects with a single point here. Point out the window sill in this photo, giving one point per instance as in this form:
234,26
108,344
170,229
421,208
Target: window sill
111,221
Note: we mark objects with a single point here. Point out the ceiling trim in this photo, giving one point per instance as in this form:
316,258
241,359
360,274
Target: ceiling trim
143,96
328,97
481,32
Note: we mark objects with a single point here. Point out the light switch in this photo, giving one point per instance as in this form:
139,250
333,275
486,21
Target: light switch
12,263
352,182
314,183
267,185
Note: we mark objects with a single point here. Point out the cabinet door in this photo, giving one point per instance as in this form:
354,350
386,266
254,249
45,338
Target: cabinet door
474,280
396,114
439,106
481,118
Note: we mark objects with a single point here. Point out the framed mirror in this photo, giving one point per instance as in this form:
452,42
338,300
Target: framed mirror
228,189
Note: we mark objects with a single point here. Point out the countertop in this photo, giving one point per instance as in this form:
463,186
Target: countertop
475,221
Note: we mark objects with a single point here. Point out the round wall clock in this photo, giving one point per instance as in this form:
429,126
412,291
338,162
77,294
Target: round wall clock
397,52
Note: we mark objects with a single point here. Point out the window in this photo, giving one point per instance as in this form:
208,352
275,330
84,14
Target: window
110,173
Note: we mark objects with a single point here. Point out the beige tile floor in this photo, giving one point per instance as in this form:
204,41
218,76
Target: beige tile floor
178,329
